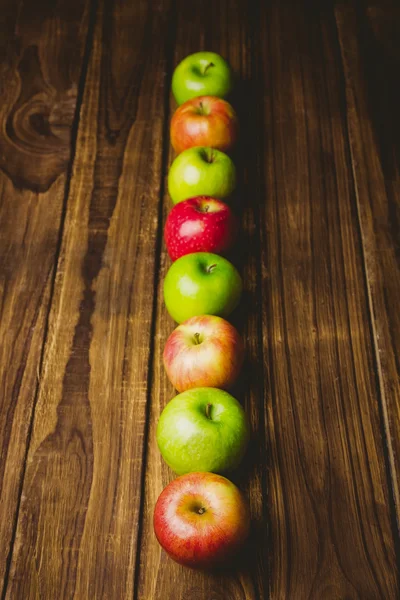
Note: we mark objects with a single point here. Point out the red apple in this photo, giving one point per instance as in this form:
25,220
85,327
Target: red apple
201,224
201,520
204,351
204,121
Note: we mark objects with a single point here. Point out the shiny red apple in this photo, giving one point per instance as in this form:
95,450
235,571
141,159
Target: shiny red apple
204,121
204,351
201,520
200,224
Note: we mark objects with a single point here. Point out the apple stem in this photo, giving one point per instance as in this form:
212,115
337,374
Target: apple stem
201,511
211,268
208,410
207,67
197,339
207,155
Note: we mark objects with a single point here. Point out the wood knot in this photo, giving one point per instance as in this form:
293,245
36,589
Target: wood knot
36,123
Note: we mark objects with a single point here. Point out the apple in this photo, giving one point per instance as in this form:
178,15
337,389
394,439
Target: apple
204,121
203,429
201,283
201,74
201,171
200,224
204,351
201,520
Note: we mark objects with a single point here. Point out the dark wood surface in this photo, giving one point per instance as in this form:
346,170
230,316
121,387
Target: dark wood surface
84,152
41,63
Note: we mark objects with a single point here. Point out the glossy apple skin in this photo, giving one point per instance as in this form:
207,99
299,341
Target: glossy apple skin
201,283
200,224
200,74
201,171
203,429
198,539
204,121
204,351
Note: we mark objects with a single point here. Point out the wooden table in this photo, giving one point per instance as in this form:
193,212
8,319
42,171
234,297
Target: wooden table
84,151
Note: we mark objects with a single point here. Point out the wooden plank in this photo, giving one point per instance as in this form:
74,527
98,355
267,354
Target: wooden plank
331,532
41,53
370,48
225,27
77,528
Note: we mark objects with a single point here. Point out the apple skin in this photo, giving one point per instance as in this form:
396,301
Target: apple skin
201,520
204,351
200,224
201,74
201,283
203,429
204,121
201,171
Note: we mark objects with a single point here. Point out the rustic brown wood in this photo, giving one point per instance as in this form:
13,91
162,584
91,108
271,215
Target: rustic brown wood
41,54
318,257
322,396
331,531
371,56
78,520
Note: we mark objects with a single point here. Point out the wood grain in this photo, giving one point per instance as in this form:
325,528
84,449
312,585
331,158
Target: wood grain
318,201
248,576
331,531
41,54
78,521
369,41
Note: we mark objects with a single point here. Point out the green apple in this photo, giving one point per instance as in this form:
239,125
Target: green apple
203,429
201,171
201,284
201,74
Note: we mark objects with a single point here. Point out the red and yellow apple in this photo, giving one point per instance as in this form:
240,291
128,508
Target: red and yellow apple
204,351
200,224
201,520
204,121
